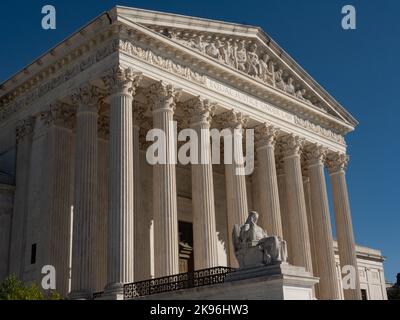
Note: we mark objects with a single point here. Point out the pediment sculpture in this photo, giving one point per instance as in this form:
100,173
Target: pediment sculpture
245,57
254,248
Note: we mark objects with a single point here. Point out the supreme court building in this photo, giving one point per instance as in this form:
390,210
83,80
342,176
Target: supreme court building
76,190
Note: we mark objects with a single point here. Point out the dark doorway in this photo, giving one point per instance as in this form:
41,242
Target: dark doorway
364,294
186,261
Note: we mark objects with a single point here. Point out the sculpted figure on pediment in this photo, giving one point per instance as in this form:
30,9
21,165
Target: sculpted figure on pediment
254,68
290,86
213,51
279,82
267,69
198,43
300,94
241,56
226,52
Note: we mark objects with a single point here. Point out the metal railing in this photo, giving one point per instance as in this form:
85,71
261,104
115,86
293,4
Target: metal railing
176,282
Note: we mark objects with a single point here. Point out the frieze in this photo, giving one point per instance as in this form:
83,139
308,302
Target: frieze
157,60
242,97
306,124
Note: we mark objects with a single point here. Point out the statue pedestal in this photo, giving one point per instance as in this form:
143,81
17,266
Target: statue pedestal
274,282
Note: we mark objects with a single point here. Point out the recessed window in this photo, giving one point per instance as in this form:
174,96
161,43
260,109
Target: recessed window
33,253
364,294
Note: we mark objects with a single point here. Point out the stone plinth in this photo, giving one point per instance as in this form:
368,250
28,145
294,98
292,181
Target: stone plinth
275,282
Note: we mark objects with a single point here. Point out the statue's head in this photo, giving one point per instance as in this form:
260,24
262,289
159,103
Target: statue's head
253,217
265,57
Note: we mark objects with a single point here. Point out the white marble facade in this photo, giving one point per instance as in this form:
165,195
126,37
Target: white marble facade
85,199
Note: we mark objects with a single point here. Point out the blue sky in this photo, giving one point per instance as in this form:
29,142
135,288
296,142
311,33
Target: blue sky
359,68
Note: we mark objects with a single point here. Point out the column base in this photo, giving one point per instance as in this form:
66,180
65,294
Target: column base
80,295
113,291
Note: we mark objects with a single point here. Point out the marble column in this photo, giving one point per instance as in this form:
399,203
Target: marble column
235,178
270,213
24,134
322,228
85,191
301,251
59,120
337,164
103,205
204,225
121,84
142,223
166,250
284,208
255,189
313,247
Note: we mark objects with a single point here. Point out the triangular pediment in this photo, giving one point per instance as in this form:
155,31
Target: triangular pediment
245,49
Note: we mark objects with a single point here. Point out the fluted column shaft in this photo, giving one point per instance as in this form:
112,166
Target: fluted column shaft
120,267
322,232
301,252
102,214
204,225
166,250
60,172
85,198
235,180
268,182
311,227
285,217
121,196
142,228
24,135
344,227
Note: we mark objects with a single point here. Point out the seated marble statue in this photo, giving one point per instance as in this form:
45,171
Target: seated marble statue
253,247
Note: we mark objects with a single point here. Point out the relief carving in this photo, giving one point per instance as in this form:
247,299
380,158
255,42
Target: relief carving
245,57
158,60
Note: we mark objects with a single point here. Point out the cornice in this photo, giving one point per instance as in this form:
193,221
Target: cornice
186,25
76,44
202,66
62,71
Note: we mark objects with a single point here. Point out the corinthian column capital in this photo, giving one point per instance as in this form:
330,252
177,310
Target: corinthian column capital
24,128
291,145
59,113
87,97
337,162
233,120
122,80
314,154
266,135
199,110
163,96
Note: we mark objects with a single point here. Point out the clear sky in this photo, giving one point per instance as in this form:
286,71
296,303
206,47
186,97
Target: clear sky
359,68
